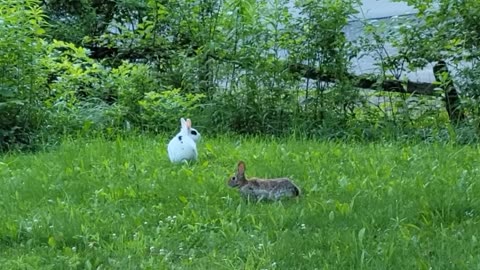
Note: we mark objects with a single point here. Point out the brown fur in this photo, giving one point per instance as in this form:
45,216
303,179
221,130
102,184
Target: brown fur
258,189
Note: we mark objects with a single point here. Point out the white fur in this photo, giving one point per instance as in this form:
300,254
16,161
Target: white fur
183,146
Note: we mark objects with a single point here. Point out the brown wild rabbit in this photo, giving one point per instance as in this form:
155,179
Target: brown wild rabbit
259,189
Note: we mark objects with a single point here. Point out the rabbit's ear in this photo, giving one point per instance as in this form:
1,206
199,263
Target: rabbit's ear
189,123
241,167
182,122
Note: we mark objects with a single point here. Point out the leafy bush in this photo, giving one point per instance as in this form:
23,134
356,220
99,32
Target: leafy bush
470,84
50,89
89,97
227,64
21,25
161,110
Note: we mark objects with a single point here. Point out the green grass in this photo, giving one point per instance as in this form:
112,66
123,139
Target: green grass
122,205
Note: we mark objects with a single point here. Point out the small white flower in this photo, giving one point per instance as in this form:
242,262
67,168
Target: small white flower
74,249
171,219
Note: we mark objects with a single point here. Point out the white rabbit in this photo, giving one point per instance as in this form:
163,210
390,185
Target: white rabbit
183,146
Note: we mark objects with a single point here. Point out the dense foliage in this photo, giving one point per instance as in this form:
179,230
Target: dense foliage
109,67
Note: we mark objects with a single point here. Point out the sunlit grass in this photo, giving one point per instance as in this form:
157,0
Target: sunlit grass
122,205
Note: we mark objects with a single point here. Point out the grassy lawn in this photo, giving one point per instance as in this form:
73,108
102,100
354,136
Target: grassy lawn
122,205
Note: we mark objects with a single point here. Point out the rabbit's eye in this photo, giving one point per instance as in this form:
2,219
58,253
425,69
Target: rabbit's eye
193,132
234,178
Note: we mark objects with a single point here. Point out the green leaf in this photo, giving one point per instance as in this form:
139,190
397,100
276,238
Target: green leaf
52,242
39,31
183,199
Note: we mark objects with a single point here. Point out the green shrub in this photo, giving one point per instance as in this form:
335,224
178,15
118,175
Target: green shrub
89,97
161,110
21,25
